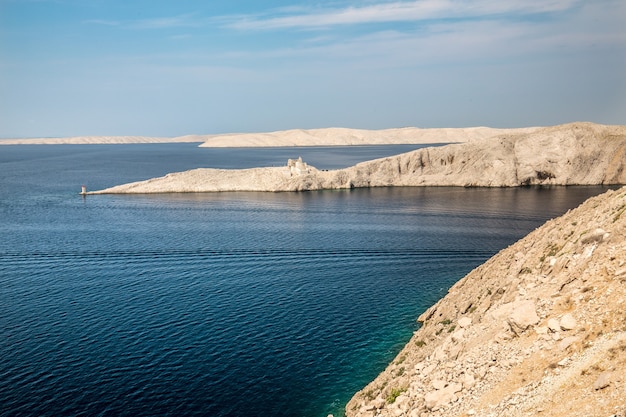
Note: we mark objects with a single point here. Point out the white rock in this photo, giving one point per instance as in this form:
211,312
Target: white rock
429,369
553,325
439,384
458,336
436,399
468,381
379,402
523,316
465,322
454,387
603,381
568,322
597,235
567,342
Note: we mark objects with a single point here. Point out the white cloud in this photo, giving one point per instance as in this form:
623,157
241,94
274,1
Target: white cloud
400,11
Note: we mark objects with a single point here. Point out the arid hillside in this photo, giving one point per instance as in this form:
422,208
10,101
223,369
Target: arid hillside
572,154
538,330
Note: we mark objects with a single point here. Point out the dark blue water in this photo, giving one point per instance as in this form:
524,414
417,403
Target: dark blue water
233,304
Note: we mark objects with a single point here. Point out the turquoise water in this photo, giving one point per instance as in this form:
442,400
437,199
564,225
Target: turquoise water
233,304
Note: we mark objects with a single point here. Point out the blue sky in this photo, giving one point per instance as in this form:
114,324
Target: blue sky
168,68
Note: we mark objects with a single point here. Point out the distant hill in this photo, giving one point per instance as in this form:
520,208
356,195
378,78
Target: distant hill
571,154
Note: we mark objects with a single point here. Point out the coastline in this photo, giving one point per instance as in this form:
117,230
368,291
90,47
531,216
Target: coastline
535,329
572,154
294,137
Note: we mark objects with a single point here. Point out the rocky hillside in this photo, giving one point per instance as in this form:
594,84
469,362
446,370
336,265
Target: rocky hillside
538,330
345,137
577,153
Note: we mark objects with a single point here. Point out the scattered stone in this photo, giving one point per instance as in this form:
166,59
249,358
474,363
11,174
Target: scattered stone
597,236
603,381
523,316
553,325
439,384
567,342
568,322
436,399
458,336
465,322
379,402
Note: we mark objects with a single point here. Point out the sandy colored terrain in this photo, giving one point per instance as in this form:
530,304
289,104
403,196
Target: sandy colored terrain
101,140
572,154
538,330
343,137
297,137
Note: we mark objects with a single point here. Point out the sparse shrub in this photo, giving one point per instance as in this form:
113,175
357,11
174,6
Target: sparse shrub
420,343
395,393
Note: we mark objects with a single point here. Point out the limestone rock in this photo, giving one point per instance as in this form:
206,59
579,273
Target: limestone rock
567,342
568,322
468,381
458,336
436,399
603,381
439,384
597,236
465,322
554,325
523,316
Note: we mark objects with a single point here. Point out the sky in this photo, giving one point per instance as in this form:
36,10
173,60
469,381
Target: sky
170,68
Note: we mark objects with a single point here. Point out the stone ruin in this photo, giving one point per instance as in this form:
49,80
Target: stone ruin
297,167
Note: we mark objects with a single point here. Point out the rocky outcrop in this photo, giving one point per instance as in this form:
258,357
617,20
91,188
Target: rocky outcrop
539,329
573,154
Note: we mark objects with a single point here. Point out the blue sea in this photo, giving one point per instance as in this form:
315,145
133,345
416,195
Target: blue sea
230,304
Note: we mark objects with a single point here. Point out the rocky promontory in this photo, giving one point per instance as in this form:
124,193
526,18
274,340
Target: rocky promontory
537,330
571,154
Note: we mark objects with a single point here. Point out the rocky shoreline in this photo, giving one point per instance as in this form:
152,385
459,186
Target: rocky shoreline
539,329
572,154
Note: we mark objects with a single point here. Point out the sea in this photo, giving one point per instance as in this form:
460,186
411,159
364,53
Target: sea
224,304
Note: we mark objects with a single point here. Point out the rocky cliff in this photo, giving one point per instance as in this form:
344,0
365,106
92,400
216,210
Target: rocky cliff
577,153
539,329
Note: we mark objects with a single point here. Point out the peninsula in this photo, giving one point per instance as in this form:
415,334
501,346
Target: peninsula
571,154
539,328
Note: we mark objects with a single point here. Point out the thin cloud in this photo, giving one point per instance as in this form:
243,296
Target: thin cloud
185,20
102,22
180,21
399,12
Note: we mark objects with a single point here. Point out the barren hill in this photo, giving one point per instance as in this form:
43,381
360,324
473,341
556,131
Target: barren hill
572,154
538,330
343,136
294,137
